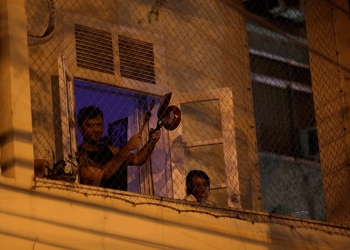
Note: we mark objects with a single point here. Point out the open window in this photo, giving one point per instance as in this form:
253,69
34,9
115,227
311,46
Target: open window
64,166
123,111
205,139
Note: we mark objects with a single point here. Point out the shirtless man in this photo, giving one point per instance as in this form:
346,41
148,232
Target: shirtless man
101,164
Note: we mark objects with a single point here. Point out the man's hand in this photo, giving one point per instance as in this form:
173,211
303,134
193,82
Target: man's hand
134,142
155,135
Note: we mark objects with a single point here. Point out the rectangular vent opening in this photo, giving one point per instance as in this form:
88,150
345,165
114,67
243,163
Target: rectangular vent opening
94,49
136,59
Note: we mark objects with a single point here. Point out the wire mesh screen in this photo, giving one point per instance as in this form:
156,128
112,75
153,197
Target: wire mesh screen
196,101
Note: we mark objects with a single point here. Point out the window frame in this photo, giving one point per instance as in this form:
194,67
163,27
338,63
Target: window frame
228,140
292,88
67,117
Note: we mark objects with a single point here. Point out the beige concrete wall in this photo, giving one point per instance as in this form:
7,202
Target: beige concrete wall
16,149
48,218
58,219
327,33
342,35
236,73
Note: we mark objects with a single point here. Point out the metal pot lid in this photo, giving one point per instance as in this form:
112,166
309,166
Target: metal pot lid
172,117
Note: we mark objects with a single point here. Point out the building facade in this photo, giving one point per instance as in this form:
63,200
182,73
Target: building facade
202,57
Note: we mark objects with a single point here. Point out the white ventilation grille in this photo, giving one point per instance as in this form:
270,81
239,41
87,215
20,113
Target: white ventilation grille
136,59
94,49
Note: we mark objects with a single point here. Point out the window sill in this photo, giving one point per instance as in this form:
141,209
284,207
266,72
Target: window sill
44,187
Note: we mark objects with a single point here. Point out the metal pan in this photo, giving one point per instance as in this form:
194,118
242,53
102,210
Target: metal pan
168,116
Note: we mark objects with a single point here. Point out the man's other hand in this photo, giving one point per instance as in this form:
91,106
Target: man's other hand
155,135
134,142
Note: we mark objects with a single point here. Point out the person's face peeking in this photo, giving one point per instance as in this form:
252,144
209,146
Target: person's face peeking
92,129
200,188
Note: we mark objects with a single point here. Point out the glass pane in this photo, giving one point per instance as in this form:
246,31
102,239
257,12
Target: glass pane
304,110
209,158
201,121
273,119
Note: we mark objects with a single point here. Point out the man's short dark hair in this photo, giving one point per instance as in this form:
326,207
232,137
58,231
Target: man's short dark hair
87,113
191,175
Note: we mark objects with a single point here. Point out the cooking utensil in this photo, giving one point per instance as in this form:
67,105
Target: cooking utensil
168,116
147,116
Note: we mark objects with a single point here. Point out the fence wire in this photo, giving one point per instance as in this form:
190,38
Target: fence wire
187,100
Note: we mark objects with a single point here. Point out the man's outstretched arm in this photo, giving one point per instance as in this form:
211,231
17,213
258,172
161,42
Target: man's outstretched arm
92,173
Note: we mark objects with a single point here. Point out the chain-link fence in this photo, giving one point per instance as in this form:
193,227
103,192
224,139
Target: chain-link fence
188,100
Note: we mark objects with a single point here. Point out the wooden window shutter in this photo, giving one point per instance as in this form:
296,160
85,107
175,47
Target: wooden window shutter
94,49
136,59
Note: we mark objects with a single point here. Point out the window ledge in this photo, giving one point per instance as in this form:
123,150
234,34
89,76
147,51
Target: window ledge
289,158
43,187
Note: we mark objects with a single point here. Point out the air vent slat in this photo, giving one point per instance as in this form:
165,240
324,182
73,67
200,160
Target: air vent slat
95,65
136,53
136,66
138,73
135,42
93,41
97,62
94,49
87,37
136,47
91,67
147,61
136,59
98,56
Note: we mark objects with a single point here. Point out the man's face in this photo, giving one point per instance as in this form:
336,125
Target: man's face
92,129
